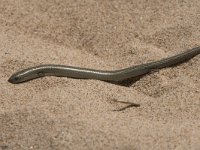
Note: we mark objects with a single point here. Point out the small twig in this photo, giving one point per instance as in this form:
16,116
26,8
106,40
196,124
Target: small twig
129,106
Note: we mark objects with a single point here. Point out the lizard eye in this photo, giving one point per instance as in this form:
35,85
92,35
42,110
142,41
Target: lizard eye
16,78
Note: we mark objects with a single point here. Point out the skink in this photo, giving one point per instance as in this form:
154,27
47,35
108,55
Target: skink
84,73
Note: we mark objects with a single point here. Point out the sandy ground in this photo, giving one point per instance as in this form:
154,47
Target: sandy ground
63,113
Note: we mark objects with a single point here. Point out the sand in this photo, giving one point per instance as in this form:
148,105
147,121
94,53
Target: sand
64,113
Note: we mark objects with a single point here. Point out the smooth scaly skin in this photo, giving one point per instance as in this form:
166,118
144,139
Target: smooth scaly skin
84,73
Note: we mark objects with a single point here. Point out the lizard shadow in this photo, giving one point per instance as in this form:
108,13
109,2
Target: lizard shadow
128,82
